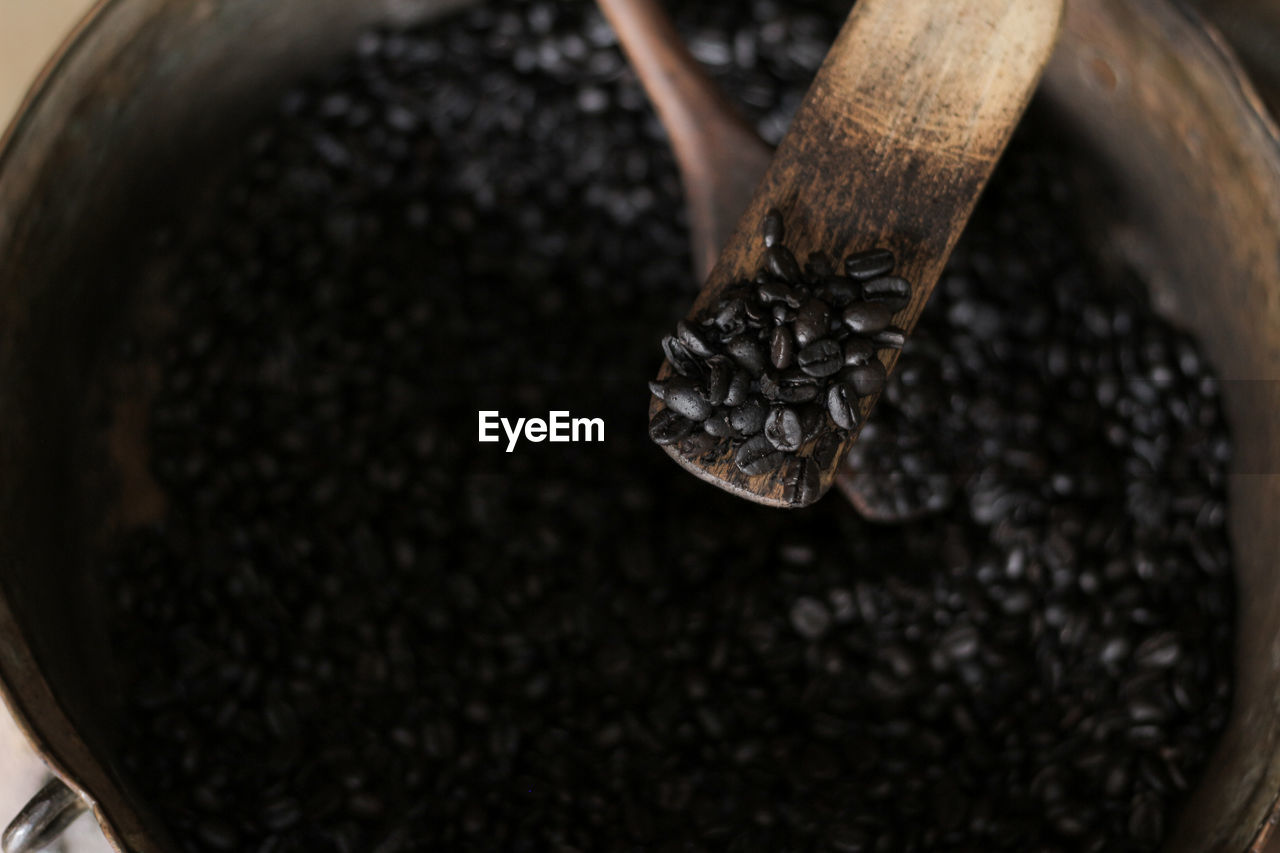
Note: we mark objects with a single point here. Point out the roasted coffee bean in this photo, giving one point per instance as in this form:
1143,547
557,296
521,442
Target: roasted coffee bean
783,428
747,354
813,321
801,482
774,291
772,228
719,373
668,427
867,318
779,261
866,378
731,319
869,264
842,405
693,342
892,291
892,338
858,351
838,291
685,398
657,388
739,388
681,359
758,456
797,392
718,425
748,419
782,347
821,358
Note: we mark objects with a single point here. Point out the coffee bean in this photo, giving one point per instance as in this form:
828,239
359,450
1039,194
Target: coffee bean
780,262
842,405
719,374
685,398
810,618
869,264
772,228
801,482
739,388
821,358
747,354
892,338
681,359
781,347
858,351
668,427
758,456
749,418
890,290
866,379
783,429
772,291
867,318
813,320
838,291
693,342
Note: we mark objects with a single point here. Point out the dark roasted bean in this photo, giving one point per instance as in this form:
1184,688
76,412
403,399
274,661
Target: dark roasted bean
869,264
867,318
891,290
842,405
685,398
682,360
813,320
758,456
779,261
694,342
747,354
739,388
866,378
821,358
838,291
718,425
719,373
858,351
783,429
892,337
775,291
748,419
772,228
668,427
781,347
801,482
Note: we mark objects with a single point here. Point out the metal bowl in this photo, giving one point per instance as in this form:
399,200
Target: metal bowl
137,111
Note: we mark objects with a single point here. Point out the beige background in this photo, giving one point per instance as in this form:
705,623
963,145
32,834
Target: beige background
29,31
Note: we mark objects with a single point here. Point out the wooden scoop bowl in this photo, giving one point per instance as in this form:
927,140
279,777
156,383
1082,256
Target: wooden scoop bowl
891,148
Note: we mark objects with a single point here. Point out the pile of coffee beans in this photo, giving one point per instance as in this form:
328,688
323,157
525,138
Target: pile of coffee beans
359,629
782,361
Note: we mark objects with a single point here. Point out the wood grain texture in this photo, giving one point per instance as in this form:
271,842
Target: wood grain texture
891,147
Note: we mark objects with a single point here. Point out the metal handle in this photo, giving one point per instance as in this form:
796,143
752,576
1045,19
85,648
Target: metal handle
50,811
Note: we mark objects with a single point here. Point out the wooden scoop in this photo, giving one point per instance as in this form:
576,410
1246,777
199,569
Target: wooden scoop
891,147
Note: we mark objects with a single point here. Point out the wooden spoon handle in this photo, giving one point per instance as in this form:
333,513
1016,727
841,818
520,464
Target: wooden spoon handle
720,155
891,147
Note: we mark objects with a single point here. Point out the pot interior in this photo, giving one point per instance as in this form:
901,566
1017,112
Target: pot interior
133,125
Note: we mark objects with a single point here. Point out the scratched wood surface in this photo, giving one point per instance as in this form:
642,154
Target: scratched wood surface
891,147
